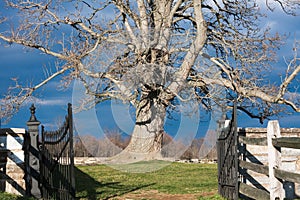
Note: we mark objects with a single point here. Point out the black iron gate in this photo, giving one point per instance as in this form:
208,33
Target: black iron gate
57,179
228,159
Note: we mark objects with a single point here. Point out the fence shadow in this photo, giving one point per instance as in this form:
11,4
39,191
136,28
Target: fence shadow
89,188
12,165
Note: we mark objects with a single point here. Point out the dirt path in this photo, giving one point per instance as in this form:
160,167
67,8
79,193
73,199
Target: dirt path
155,195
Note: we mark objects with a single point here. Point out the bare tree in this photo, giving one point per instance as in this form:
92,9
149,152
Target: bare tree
116,138
148,52
192,151
80,149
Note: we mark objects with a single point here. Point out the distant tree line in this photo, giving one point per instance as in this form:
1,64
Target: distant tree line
115,142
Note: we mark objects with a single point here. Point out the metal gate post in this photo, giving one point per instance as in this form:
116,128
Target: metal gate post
236,143
72,172
33,155
227,146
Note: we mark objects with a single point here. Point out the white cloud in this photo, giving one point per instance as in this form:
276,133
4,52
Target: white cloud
48,102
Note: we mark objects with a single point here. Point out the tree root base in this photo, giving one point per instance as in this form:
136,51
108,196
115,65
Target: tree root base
127,157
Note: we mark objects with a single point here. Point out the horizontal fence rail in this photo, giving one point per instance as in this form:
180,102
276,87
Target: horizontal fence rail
287,142
272,171
252,192
268,162
253,141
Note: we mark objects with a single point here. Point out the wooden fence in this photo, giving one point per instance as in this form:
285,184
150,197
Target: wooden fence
269,162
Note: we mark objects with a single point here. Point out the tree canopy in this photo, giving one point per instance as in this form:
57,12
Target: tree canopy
147,52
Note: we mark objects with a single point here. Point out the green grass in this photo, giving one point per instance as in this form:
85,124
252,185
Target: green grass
103,182
6,196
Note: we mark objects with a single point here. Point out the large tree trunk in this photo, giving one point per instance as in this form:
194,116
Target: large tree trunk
146,139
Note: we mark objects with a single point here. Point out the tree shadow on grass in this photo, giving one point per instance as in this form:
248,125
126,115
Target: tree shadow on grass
89,188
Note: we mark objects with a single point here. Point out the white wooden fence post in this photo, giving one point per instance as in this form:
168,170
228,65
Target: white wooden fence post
274,158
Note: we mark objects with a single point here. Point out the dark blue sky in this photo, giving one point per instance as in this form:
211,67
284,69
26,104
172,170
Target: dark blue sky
51,101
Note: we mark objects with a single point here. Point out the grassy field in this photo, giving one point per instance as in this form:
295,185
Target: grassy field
177,181
174,181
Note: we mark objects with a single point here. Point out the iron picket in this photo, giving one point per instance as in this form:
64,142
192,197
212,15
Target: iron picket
57,161
228,160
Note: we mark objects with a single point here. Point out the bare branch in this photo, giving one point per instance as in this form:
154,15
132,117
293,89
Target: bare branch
194,50
32,45
286,82
148,50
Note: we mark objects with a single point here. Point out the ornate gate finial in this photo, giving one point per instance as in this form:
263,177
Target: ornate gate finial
32,111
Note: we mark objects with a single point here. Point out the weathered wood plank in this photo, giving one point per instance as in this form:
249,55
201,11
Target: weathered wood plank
262,169
252,130
287,176
288,142
252,192
253,141
290,131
